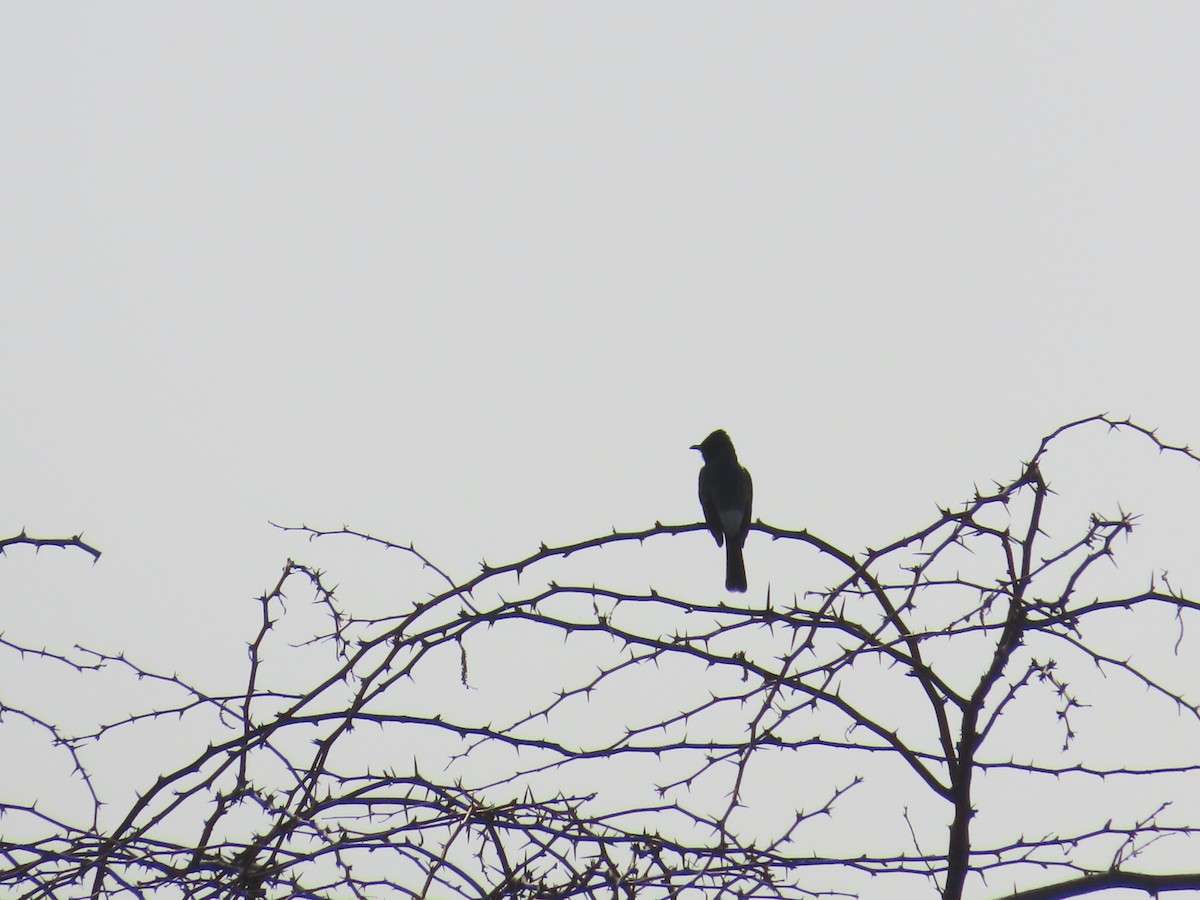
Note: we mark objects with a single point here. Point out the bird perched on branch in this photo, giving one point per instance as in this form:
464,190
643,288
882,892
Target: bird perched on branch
726,492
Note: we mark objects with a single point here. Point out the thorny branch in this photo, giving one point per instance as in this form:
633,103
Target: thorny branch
952,692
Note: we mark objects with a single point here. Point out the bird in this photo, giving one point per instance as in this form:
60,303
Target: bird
726,493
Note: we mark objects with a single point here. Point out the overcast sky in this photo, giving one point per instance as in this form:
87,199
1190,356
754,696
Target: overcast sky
475,276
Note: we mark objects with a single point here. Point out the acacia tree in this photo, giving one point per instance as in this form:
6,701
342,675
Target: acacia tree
959,713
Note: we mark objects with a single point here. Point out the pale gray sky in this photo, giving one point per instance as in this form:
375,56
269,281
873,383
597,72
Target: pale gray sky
476,276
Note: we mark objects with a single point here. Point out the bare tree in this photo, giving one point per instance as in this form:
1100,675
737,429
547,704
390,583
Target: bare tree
980,708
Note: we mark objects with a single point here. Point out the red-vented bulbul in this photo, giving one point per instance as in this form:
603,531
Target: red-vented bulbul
726,492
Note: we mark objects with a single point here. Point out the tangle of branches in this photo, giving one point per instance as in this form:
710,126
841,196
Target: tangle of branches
963,711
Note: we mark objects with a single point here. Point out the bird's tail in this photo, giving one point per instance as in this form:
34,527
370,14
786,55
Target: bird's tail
735,568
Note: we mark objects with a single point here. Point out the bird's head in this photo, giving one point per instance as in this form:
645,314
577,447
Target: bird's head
716,446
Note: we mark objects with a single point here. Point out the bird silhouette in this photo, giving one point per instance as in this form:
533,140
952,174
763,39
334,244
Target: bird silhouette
726,493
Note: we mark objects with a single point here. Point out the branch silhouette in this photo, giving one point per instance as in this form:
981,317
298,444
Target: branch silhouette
934,717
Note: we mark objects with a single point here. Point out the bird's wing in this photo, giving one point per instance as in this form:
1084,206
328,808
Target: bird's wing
744,525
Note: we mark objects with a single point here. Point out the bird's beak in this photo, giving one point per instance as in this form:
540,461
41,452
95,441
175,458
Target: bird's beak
694,447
